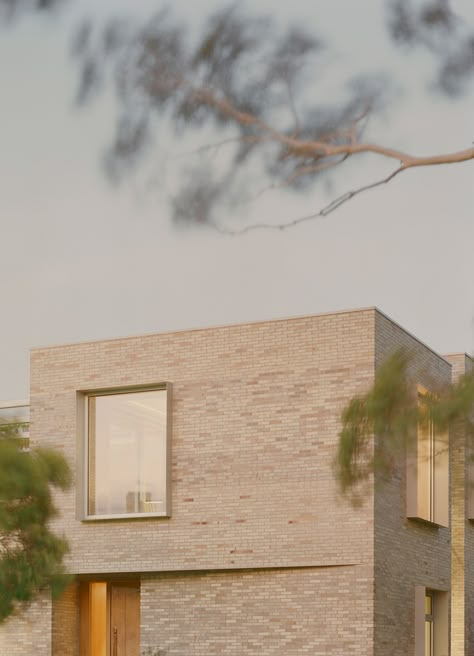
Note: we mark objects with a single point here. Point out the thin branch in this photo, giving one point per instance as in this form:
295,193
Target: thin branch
323,149
300,171
321,214
320,148
219,144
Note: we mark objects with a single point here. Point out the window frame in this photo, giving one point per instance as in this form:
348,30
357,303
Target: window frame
429,620
439,620
82,452
430,506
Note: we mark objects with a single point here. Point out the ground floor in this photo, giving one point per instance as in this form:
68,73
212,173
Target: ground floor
325,611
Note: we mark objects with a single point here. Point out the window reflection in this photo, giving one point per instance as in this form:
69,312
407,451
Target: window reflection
428,624
127,453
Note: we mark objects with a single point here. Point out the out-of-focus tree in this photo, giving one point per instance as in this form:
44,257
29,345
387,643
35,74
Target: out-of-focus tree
10,9
378,426
30,553
257,88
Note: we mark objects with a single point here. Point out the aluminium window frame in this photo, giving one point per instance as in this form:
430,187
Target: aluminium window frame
82,451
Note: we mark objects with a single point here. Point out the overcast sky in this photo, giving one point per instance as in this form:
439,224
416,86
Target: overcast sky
82,260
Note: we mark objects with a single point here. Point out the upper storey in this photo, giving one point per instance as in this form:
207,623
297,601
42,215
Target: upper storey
214,448
252,413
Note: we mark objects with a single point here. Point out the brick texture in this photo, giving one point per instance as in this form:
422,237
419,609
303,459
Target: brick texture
260,555
28,631
255,420
407,552
65,623
307,611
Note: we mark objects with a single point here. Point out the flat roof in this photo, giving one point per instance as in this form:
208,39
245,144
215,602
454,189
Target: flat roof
248,323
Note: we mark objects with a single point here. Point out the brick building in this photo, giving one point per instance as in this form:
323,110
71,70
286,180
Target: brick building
205,518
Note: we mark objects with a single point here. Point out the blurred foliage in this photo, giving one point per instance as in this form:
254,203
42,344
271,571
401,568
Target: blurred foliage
10,9
255,84
30,554
377,426
434,26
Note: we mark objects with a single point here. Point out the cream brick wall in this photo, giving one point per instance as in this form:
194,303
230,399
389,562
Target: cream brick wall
255,421
28,631
260,554
314,611
65,623
407,552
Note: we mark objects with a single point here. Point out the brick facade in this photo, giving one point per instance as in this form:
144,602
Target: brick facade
260,554
255,416
407,552
28,631
286,611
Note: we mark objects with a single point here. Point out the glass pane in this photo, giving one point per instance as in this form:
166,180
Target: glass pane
424,466
428,638
428,605
127,453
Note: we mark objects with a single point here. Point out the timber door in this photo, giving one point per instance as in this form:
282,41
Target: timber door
110,619
124,620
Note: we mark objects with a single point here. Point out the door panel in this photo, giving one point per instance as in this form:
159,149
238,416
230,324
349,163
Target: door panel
98,619
110,619
125,620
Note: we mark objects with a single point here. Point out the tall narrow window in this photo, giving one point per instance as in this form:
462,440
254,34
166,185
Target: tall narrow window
426,457
128,453
428,472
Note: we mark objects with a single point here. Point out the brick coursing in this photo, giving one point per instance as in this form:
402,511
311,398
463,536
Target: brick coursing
407,552
255,420
260,555
292,612
28,631
65,623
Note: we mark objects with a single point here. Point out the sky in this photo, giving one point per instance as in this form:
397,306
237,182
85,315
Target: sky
82,259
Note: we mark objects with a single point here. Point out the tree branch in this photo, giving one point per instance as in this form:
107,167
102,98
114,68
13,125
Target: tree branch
216,146
322,149
301,171
331,207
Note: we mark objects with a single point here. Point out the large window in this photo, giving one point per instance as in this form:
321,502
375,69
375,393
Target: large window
428,471
127,454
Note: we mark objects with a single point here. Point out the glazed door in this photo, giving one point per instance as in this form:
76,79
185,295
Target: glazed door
124,620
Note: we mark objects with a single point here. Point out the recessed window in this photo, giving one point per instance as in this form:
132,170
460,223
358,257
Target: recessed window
428,472
431,622
127,454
